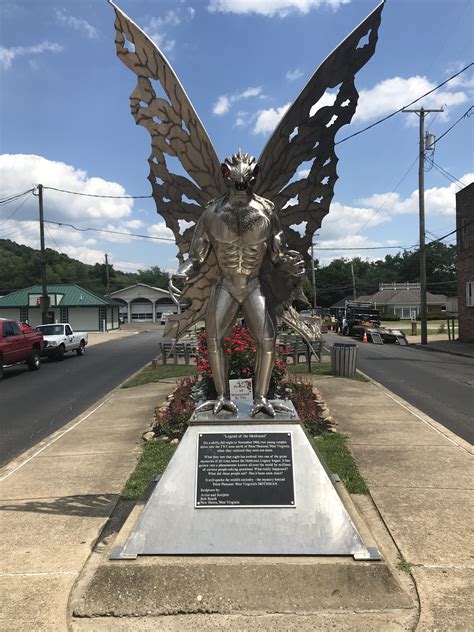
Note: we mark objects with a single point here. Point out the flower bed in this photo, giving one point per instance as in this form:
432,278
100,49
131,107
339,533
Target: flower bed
172,419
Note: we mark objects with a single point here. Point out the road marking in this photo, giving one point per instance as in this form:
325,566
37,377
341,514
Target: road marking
54,440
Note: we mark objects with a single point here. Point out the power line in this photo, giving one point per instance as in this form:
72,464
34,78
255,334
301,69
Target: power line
365,248
112,232
15,211
448,175
110,197
20,229
387,198
385,118
466,114
7,200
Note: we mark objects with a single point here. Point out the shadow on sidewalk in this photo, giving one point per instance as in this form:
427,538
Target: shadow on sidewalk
88,505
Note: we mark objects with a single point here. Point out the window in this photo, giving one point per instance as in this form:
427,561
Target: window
16,329
470,294
8,330
68,331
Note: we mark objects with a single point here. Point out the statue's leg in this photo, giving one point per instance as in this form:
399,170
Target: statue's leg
259,319
222,310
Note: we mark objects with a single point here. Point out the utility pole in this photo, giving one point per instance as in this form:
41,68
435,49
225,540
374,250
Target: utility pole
354,296
421,205
44,287
313,280
107,273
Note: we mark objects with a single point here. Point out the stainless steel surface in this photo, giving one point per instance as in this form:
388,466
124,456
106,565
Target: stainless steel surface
244,414
246,248
319,524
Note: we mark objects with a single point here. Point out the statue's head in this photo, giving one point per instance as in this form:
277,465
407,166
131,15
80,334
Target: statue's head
240,171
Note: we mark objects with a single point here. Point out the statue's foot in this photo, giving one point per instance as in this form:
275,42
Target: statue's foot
262,405
281,408
216,405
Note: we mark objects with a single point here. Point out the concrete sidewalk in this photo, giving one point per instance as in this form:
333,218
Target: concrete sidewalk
454,347
421,478
55,500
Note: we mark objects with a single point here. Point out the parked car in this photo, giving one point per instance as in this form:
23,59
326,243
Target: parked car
60,339
17,346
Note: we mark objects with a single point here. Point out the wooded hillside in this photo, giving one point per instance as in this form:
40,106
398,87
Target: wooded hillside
20,268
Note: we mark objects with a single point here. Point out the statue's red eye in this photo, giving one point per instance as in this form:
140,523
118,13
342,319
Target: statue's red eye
225,170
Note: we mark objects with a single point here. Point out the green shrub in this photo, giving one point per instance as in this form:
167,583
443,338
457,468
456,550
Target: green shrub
389,317
434,316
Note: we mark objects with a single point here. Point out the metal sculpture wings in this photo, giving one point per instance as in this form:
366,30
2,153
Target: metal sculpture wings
305,135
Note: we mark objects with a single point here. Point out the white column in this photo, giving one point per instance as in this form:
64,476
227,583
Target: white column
154,311
129,313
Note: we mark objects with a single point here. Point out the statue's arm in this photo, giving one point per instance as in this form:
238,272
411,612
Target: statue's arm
289,261
198,251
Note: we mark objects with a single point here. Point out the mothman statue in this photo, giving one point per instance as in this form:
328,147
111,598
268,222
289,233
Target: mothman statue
252,221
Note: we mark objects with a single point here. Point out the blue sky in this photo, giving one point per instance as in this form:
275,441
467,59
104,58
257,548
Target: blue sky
65,120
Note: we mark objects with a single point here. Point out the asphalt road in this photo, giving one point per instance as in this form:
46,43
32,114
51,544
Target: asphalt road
439,384
33,404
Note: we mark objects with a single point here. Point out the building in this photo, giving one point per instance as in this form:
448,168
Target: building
141,303
465,262
401,299
69,303
404,300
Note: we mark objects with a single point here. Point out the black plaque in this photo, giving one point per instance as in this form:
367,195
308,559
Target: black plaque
245,469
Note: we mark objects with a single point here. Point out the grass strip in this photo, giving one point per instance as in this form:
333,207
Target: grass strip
155,457
161,372
332,446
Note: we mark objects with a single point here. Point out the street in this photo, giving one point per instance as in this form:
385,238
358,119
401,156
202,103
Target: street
33,404
439,384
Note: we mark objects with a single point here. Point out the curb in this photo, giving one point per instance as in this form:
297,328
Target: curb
428,348
435,425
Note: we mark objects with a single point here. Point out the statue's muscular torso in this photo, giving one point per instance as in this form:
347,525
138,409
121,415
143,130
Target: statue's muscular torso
240,230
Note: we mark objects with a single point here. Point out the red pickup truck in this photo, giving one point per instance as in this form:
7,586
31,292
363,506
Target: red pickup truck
19,346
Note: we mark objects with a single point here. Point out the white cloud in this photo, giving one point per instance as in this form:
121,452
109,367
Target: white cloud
222,105
134,224
293,75
160,230
225,101
19,172
392,94
343,221
78,24
439,201
158,27
267,120
7,55
281,8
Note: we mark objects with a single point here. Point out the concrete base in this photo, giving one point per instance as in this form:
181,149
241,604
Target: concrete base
177,585
317,524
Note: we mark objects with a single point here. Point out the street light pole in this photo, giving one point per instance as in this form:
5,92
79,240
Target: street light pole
421,206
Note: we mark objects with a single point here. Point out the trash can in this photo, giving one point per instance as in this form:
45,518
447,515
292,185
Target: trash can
343,359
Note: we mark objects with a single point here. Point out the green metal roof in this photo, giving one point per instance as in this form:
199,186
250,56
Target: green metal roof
72,296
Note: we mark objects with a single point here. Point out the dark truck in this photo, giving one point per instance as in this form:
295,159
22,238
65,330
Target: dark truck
363,319
17,346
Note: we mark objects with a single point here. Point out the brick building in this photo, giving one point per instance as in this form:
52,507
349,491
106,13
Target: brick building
465,261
